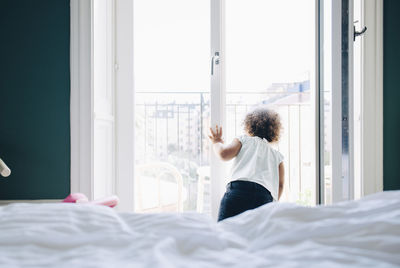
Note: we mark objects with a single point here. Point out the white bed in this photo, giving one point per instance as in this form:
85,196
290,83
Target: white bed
364,233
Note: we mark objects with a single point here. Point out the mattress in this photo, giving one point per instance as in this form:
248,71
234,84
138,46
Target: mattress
364,233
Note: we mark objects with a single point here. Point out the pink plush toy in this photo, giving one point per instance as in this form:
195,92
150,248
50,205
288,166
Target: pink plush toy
110,201
76,198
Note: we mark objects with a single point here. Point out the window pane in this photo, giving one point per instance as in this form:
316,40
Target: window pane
172,112
270,60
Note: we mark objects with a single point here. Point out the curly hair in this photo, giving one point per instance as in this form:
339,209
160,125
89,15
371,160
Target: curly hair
263,123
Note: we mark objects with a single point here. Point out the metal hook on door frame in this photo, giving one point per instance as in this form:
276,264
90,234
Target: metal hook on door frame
359,33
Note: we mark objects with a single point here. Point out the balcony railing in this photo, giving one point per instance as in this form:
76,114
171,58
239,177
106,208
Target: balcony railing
172,127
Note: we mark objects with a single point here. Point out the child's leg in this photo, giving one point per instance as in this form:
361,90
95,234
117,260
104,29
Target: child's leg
241,196
234,203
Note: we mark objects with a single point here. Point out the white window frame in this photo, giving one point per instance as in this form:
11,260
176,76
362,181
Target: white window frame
371,178
82,101
336,104
81,98
124,106
217,98
372,98
82,116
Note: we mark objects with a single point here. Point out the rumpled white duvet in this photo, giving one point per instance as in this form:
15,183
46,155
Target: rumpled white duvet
363,233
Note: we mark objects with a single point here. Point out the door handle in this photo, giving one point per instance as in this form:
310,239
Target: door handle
214,61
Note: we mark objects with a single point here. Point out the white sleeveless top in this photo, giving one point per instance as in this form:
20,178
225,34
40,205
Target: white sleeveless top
258,162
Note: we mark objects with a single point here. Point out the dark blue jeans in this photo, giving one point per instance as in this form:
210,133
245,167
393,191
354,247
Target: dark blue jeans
241,196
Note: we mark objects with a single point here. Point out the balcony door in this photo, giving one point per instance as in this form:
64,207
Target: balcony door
201,63
172,46
164,71
271,61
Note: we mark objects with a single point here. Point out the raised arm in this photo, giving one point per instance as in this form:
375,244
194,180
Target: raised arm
225,152
281,179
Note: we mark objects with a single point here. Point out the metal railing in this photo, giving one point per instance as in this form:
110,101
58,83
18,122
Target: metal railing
173,127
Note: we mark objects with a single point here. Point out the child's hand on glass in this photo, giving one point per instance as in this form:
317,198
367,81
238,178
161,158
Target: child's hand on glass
216,136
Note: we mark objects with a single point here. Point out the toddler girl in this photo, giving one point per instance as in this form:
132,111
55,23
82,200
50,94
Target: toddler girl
257,174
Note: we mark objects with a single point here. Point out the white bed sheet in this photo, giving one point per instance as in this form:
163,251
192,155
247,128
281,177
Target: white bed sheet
364,233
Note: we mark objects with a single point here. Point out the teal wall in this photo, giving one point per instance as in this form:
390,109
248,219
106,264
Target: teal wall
391,95
34,98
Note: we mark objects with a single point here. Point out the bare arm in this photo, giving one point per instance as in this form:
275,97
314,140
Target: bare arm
229,151
281,179
225,152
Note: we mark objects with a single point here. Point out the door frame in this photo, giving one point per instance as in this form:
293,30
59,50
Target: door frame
371,179
372,98
81,103
217,98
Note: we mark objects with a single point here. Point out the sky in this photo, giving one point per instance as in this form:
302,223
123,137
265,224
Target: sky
266,41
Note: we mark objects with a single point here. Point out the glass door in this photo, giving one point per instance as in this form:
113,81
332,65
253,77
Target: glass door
270,61
200,63
172,105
